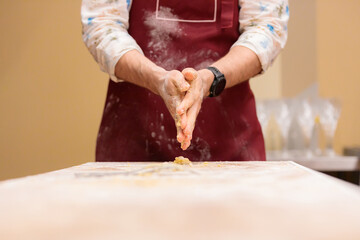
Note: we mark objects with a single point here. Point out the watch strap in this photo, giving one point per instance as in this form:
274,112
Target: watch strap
219,78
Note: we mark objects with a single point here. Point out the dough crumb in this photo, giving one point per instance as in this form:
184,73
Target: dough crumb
182,161
146,174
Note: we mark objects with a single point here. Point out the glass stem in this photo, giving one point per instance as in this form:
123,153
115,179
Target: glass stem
308,152
329,149
285,152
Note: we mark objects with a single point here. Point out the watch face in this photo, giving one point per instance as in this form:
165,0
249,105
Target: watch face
219,87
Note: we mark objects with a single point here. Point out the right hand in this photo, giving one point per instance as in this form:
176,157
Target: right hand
172,87
200,82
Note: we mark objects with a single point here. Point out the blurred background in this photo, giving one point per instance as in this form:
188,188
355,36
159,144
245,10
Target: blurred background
52,92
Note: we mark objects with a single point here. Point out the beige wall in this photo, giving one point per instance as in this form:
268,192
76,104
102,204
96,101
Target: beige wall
299,56
338,49
296,67
268,85
52,92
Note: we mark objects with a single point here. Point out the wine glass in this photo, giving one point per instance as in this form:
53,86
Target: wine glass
262,114
305,118
281,112
329,116
317,107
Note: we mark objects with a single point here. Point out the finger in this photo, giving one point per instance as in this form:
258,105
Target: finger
192,115
192,94
183,117
187,139
177,120
172,103
179,81
183,121
189,99
185,145
180,136
190,74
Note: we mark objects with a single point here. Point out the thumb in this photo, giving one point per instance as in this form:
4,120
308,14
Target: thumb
190,74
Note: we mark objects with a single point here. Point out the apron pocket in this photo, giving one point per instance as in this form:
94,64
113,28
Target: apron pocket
186,11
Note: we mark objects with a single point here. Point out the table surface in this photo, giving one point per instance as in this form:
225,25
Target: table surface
215,200
326,163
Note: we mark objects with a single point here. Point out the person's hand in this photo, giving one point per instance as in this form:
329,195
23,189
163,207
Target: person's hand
172,87
188,110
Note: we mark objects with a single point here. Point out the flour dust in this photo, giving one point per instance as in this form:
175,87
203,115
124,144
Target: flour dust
164,38
164,34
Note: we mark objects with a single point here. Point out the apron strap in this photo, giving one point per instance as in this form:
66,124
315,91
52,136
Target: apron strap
227,13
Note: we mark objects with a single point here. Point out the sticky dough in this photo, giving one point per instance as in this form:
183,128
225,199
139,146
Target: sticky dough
182,161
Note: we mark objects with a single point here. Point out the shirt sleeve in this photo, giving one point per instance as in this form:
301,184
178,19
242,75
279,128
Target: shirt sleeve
105,24
263,28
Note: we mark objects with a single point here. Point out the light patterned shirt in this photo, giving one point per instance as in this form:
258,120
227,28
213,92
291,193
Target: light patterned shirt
263,28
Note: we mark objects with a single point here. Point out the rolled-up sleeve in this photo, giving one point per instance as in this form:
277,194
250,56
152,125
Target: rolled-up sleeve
105,24
263,28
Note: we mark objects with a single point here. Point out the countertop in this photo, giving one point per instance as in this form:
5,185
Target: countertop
215,200
325,163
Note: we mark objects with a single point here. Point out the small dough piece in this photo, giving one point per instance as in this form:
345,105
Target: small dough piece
182,161
177,120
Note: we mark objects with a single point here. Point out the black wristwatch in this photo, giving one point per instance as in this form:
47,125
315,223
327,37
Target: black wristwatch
219,82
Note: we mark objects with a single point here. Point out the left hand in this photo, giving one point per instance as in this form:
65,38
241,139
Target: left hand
200,82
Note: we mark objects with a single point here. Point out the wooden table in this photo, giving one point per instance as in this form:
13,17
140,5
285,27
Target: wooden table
237,200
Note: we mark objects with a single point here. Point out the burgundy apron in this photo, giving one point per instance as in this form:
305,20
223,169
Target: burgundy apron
176,34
